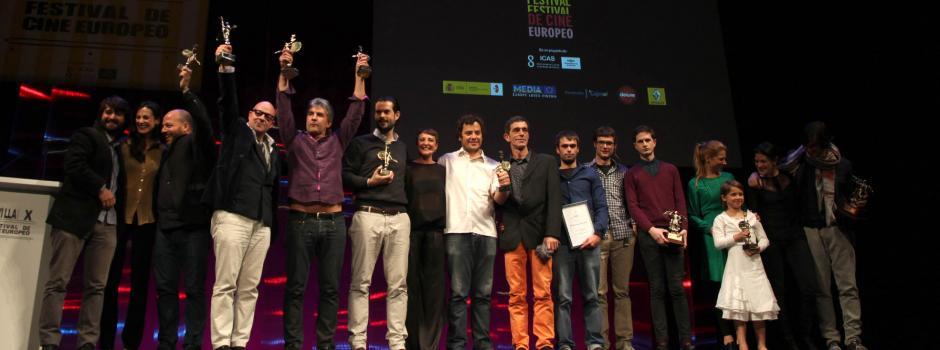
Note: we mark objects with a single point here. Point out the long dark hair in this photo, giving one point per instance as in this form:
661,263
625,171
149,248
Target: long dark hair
137,141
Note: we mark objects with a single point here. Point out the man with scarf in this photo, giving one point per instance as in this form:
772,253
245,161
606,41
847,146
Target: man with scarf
822,175
84,220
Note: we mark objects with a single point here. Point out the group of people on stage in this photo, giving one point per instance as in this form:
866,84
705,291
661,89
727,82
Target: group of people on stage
432,219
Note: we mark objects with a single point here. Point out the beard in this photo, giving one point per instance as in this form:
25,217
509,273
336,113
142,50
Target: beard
389,126
568,161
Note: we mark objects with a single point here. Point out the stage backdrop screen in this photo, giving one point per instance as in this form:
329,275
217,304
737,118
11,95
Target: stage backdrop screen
563,64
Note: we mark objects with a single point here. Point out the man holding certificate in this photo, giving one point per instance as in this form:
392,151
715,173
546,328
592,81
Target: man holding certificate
585,217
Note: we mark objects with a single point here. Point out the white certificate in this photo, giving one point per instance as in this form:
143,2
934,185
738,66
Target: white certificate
578,221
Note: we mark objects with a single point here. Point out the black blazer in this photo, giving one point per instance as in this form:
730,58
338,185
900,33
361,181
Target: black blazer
539,214
805,176
87,170
238,155
189,161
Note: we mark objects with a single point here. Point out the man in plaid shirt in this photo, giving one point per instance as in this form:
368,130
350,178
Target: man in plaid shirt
617,246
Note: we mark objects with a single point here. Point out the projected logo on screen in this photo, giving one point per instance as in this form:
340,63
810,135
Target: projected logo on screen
587,93
550,19
534,91
657,96
571,63
626,95
553,59
455,87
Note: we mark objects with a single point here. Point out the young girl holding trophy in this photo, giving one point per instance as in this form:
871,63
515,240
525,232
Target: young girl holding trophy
745,293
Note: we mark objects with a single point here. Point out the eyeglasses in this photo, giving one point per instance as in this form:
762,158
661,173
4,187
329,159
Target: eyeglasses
259,113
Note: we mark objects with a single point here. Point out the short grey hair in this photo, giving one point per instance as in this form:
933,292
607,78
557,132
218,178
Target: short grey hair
323,103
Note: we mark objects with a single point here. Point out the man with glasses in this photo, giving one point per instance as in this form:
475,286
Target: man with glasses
243,195
618,245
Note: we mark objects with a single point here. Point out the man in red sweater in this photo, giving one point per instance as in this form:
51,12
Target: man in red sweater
653,187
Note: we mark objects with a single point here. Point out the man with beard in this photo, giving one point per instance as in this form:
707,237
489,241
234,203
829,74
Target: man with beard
822,177
243,193
380,224
475,184
579,183
317,228
182,241
618,244
83,218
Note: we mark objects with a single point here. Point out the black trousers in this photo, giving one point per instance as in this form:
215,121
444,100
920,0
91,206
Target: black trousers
792,254
142,237
665,268
426,293
310,239
185,252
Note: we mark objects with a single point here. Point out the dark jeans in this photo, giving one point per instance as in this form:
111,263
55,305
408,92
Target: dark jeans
142,237
665,268
470,259
425,289
792,254
587,264
308,238
185,249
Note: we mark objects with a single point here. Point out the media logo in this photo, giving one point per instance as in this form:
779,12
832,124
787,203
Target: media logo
657,96
534,91
626,95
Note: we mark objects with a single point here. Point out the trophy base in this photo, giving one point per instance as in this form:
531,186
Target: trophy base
290,72
364,71
384,172
225,58
751,248
851,211
675,238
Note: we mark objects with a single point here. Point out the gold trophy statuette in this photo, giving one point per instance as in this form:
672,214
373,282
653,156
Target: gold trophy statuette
291,46
386,157
750,246
225,57
364,71
855,204
503,163
191,60
673,232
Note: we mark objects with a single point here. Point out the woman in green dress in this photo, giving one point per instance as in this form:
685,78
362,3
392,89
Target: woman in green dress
704,195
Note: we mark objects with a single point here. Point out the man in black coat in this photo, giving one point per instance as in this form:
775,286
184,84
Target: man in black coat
83,217
532,217
242,192
182,241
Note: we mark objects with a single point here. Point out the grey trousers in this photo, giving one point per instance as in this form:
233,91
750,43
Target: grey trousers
617,257
66,247
834,256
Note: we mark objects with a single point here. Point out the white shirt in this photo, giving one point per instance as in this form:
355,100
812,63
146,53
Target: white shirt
470,185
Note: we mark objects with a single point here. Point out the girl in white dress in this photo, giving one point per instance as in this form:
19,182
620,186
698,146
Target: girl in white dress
745,293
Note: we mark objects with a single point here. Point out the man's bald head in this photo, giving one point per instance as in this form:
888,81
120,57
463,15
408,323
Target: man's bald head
177,123
262,117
